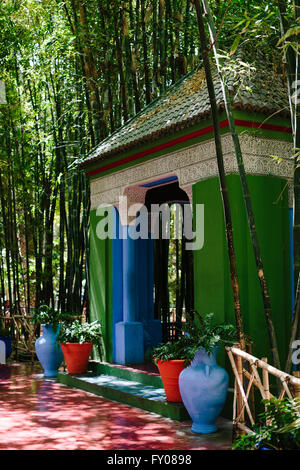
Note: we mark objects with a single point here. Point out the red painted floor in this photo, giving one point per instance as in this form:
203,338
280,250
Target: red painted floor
40,414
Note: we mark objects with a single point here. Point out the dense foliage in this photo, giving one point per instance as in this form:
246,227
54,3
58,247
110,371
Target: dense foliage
199,333
170,351
46,315
77,332
278,428
74,71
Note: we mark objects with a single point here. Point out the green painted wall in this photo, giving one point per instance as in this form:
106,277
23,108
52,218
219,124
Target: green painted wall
213,291
100,271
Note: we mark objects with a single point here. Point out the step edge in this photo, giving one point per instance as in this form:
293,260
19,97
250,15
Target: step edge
158,407
115,371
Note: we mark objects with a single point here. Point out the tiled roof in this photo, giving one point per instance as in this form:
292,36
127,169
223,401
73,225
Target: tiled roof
187,102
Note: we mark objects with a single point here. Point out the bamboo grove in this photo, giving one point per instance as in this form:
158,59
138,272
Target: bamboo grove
74,72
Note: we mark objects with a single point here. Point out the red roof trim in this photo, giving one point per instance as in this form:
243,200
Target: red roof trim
190,136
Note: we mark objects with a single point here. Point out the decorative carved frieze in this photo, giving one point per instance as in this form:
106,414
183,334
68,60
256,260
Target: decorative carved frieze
194,164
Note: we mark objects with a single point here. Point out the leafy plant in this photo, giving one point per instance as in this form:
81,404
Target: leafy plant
278,427
46,315
170,351
77,332
199,333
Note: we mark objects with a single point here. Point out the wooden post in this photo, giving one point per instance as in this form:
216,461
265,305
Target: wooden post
240,388
240,408
252,394
296,387
265,375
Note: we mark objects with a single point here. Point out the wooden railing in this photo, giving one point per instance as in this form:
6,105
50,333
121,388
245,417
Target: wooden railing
22,333
246,369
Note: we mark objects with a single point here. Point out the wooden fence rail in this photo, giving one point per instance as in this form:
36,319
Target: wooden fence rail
22,332
246,369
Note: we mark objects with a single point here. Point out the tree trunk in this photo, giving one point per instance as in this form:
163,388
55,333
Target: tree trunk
246,192
222,176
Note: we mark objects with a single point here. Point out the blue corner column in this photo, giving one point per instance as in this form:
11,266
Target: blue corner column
117,279
129,337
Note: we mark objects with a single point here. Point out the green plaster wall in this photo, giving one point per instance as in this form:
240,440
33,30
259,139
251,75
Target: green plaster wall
213,291
100,278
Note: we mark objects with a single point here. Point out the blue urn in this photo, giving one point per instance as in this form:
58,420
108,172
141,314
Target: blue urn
8,347
48,351
203,388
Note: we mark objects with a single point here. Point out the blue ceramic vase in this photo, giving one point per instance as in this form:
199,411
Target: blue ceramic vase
8,348
203,388
48,351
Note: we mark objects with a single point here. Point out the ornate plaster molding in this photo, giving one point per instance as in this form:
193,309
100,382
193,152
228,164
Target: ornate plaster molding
194,164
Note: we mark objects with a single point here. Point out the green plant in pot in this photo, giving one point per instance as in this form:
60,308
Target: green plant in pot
203,384
170,359
201,332
5,336
77,340
47,349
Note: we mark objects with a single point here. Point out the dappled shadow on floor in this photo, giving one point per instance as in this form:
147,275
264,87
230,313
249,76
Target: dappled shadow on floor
40,414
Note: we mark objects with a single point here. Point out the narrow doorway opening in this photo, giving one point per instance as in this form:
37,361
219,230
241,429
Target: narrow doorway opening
173,290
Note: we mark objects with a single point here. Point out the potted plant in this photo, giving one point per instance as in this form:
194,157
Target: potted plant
170,359
5,336
47,349
203,384
77,340
278,427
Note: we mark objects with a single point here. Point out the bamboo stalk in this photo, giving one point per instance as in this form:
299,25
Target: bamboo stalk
240,408
258,380
272,370
245,188
286,388
244,428
296,388
252,392
248,375
237,376
222,175
282,393
234,404
265,376
247,395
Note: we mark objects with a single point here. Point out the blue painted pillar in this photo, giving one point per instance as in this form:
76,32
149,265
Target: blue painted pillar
129,332
117,278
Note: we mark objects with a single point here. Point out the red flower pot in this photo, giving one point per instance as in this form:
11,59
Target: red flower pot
77,356
169,372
